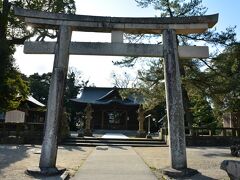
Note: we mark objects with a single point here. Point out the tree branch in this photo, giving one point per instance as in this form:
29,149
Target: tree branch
19,41
169,9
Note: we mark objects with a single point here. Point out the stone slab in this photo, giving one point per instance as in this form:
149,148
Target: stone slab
232,168
182,173
139,25
117,37
44,172
115,49
174,101
114,163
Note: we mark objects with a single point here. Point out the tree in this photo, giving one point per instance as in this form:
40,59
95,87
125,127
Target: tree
124,80
14,32
74,85
39,85
152,77
202,111
224,76
39,88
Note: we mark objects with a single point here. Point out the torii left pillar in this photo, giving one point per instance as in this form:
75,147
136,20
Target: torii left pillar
47,165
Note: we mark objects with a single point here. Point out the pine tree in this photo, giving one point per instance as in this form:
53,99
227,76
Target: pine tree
190,69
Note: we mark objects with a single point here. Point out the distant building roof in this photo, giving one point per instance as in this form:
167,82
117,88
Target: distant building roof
30,103
33,100
105,95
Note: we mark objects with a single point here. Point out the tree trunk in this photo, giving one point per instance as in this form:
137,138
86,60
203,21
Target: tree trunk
188,116
4,19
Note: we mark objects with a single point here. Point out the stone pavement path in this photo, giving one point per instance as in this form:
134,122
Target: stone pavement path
114,136
114,163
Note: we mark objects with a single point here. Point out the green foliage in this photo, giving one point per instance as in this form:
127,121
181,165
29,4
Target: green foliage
13,31
12,87
202,111
193,77
151,84
225,78
39,89
17,31
39,86
74,84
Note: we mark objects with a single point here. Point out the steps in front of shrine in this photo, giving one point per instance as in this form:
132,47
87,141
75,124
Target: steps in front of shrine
134,142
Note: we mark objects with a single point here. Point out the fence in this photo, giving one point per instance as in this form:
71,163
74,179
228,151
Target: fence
207,136
19,133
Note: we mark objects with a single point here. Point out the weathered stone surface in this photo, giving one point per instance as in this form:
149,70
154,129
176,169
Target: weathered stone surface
182,25
140,119
55,99
181,173
209,19
88,113
117,37
174,104
43,172
232,168
115,49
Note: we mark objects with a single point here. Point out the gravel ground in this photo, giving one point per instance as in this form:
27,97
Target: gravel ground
206,160
14,160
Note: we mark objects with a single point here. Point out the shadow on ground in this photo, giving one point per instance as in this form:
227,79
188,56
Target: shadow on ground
217,154
201,177
119,147
71,148
198,176
10,154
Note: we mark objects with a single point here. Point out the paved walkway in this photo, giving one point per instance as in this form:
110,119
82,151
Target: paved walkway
114,136
114,163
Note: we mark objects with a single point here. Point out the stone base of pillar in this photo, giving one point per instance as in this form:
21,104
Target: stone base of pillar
179,173
87,132
141,134
44,172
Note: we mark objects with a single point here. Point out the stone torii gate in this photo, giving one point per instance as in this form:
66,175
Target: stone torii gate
166,26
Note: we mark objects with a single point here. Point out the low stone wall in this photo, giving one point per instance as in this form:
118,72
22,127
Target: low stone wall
21,133
211,140
25,137
207,137
208,140
24,133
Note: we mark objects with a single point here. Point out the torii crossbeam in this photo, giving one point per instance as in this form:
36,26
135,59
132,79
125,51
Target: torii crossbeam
166,26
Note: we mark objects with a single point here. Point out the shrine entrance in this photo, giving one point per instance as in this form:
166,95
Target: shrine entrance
169,27
115,120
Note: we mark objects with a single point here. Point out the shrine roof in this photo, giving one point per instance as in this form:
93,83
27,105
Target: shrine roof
106,95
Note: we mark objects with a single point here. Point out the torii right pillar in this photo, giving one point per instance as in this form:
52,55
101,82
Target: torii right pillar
175,111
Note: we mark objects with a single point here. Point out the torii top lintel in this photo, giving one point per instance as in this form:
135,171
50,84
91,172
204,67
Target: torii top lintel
134,25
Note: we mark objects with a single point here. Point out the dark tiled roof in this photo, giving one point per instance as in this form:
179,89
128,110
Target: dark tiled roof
104,95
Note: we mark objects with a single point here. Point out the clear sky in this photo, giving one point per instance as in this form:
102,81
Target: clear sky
98,69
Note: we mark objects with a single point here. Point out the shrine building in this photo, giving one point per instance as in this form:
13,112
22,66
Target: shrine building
110,110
